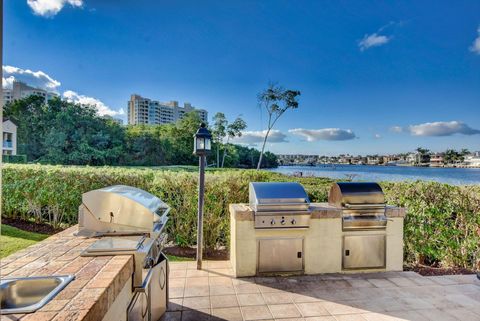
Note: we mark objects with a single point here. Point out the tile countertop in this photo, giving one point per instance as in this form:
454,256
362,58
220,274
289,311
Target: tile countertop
97,283
243,212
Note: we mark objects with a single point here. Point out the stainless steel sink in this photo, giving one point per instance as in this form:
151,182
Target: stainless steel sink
28,294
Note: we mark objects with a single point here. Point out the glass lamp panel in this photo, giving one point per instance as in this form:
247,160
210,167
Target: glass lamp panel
208,144
200,143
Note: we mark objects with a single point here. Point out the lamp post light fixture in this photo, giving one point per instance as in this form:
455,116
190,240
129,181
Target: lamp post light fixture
202,146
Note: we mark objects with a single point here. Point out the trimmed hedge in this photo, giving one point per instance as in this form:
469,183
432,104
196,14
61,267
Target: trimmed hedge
440,228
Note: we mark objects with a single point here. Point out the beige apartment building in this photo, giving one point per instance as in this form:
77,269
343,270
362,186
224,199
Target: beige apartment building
21,90
143,110
9,139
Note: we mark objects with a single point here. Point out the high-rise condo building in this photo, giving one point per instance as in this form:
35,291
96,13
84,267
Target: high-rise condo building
21,90
146,111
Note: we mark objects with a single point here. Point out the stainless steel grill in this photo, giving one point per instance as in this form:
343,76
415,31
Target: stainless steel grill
363,205
130,221
279,205
363,209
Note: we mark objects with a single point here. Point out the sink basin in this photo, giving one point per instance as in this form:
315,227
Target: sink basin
28,294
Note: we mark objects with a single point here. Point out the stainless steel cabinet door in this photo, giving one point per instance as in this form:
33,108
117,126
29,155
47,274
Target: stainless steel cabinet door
158,289
280,255
363,251
138,308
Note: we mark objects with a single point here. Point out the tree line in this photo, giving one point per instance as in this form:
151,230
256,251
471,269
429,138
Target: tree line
61,132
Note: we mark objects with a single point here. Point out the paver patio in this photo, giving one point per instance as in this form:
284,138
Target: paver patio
213,294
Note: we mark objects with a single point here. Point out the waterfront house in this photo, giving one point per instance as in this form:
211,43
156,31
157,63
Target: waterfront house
418,158
390,159
437,160
373,160
472,161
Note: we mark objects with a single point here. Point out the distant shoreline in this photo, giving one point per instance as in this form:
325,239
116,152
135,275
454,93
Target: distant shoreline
379,165
354,172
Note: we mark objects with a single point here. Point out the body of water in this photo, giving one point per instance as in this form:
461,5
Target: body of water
455,176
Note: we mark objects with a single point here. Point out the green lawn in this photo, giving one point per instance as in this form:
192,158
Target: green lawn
173,258
12,239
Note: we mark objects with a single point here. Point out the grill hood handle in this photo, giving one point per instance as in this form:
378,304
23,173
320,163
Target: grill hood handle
348,205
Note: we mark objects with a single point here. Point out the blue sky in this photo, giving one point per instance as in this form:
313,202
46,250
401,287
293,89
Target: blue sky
374,77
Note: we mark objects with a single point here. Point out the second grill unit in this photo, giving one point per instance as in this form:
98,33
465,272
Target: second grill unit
363,224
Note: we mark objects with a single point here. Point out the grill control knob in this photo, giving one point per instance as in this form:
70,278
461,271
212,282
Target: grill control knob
272,222
149,262
293,221
283,222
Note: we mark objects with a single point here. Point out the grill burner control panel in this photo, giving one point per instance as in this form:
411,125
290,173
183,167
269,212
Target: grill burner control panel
282,220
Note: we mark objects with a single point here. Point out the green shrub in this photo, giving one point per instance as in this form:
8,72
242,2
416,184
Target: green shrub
440,227
442,222
52,194
15,159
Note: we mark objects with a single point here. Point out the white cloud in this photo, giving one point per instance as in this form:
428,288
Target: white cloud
377,39
8,82
49,8
373,40
37,79
442,129
102,109
476,43
377,136
396,129
256,137
313,135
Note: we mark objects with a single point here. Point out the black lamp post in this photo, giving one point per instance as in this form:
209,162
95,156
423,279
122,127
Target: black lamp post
202,146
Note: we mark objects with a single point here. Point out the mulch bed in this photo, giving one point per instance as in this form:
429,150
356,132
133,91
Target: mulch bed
31,226
436,271
191,252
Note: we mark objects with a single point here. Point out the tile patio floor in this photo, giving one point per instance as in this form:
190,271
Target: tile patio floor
213,294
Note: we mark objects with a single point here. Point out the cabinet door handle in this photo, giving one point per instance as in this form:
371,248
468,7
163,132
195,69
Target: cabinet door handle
162,280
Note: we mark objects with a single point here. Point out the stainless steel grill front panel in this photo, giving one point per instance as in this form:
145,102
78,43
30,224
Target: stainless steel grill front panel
364,222
282,220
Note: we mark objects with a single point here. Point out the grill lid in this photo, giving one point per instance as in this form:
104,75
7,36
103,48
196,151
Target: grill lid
356,195
126,206
278,196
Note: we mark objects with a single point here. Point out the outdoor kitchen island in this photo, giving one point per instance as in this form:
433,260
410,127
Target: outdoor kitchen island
113,259
316,239
101,290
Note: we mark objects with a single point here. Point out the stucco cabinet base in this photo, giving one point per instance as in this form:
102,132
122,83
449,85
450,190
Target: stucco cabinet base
322,241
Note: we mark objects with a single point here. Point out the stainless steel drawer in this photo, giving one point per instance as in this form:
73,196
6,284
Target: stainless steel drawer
280,255
364,251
